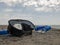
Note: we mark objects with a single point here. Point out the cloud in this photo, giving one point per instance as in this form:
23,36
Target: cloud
45,12
9,2
39,5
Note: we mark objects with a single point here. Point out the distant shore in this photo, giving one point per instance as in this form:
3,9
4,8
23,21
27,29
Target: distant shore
2,27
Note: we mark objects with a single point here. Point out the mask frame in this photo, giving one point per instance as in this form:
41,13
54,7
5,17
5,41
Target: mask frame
27,27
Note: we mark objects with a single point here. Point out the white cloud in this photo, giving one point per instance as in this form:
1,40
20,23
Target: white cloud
33,2
36,3
9,2
44,3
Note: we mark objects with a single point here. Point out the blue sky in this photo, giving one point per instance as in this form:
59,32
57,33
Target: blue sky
40,12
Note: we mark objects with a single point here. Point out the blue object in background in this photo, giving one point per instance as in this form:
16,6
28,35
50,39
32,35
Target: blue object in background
46,28
43,28
37,28
4,32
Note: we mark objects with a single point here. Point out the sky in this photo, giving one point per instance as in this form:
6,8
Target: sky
39,12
